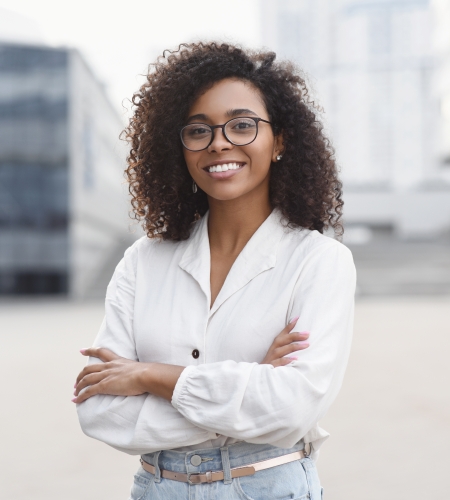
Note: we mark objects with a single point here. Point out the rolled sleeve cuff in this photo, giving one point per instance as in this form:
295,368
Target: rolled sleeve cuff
180,386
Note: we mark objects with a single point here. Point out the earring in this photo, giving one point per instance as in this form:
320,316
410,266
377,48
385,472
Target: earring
194,187
279,157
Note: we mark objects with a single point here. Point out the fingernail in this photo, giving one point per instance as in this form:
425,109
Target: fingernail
293,358
74,400
294,319
75,385
82,351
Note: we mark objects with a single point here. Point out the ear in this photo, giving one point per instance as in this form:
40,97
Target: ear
278,147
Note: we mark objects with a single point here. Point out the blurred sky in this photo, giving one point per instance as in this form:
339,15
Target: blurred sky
120,39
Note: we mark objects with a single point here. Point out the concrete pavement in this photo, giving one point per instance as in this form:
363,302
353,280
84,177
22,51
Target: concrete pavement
390,424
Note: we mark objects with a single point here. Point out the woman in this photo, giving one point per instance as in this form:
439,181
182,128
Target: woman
228,327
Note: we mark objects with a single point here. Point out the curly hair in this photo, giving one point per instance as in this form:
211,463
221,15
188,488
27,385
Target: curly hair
304,185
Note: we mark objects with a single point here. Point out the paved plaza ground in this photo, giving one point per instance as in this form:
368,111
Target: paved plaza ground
390,426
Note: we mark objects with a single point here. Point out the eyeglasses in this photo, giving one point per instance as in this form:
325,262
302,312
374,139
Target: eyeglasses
238,131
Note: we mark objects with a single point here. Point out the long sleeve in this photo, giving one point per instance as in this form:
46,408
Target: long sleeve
261,404
131,424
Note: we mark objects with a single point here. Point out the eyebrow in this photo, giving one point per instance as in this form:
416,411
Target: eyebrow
243,111
231,113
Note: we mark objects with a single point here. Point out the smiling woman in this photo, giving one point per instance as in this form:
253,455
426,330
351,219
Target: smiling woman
304,184
227,328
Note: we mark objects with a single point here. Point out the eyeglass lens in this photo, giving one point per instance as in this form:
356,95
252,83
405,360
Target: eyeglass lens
239,131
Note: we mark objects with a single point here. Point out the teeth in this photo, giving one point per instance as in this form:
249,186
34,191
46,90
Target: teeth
224,168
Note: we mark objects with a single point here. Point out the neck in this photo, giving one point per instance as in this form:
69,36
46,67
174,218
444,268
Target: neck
232,223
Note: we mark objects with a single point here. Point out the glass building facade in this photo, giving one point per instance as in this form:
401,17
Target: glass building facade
33,170
63,202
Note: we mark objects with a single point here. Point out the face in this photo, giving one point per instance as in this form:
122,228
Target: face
250,164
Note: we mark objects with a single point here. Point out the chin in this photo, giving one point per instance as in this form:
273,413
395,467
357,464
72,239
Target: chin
227,193
224,197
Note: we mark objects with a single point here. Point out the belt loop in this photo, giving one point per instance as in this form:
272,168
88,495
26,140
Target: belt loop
226,465
156,466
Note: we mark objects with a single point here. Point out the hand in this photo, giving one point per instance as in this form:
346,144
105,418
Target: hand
284,344
116,376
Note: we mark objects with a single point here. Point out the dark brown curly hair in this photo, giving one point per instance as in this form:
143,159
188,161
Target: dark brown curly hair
304,185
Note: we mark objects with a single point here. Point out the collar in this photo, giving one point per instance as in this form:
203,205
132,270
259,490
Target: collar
258,255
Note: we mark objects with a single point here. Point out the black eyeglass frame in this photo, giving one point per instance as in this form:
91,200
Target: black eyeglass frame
212,127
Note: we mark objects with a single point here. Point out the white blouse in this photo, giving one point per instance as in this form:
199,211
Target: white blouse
158,310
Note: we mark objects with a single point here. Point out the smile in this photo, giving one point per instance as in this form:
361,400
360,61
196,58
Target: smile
224,167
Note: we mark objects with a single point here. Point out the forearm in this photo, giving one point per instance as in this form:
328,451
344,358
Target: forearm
138,424
256,403
119,376
160,379
128,410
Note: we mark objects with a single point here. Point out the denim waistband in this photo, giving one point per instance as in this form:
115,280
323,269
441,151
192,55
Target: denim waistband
212,459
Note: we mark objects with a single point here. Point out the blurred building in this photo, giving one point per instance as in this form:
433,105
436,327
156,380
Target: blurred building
63,208
441,46
381,71
376,69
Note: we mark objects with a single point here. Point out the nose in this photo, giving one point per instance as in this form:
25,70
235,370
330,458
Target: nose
219,142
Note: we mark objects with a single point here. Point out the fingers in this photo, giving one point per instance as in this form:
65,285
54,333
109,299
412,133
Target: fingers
90,369
91,379
282,361
91,376
92,390
100,352
290,348
295,337
287,338
290,325
288,328
288,342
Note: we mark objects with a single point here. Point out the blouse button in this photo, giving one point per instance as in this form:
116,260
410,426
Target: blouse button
195,353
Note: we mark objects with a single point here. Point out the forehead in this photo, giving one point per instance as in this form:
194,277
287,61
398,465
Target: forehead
229,94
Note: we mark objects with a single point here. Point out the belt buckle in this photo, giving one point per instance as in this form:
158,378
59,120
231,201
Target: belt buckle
193,474
208,475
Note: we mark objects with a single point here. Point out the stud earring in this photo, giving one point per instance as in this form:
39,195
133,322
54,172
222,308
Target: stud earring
279,157
194,187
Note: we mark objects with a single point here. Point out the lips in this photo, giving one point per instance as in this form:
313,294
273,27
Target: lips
228,172
223,166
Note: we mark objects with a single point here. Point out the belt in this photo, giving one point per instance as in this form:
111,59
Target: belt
210,476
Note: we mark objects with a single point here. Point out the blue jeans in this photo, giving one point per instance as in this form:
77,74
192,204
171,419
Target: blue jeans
296,480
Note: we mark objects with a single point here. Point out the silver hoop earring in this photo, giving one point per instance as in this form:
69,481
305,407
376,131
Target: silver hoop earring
279,157
194,187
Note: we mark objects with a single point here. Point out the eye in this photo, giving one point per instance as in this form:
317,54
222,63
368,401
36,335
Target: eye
242,125
196,130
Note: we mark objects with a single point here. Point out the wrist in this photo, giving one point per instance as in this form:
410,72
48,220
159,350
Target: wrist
147,377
